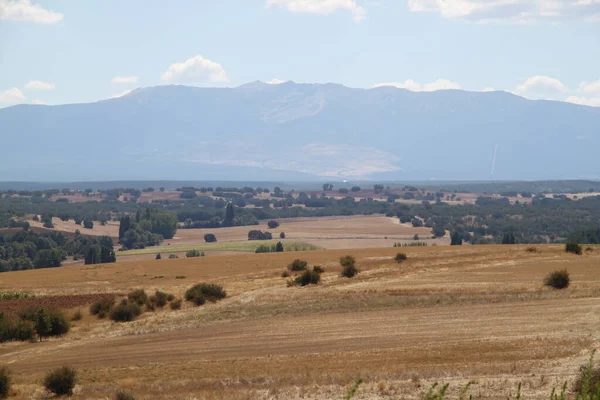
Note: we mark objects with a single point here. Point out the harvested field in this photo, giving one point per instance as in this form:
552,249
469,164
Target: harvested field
446,314
110,229
11,308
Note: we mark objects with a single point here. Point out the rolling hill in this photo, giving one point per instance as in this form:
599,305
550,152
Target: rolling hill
301,132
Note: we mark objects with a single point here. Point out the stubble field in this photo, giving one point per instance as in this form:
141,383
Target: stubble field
450,314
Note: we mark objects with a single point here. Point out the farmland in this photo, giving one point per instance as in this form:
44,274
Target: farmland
450,314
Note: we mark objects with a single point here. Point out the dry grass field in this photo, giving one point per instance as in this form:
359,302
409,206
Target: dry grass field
447,314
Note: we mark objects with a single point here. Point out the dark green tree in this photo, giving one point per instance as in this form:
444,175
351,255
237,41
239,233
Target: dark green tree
48,258
456,239
229,215
43,324
279,247
124,226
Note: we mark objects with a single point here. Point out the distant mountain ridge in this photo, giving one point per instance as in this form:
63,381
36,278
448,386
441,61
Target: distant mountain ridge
296,131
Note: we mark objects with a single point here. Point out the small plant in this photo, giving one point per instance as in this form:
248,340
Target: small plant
102,307
349,269
175,304
172,256
198,294
158,256
558,279
298,265
180,277
77,316
125,312
285,274
587,382
160,298
352,392
531,249
282,235
61,381
318,269
5,382
400,257
308,278
138,296
573,247
192,254
123,395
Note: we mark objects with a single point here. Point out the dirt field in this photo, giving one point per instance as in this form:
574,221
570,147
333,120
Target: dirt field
450,314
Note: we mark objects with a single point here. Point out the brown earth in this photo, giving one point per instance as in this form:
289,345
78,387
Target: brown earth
448,314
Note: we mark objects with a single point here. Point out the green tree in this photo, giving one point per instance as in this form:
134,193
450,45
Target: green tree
210,238
124,226
164,223
279,247
229,215
48,258
456,239
43,324
88,224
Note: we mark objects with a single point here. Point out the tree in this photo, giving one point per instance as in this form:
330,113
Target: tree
210,238
163,223
92,255
327,187
107,255
272,224
279,247
509,238
43,324
438,231
229,215
456,239
124,226
88,224
417,223
48,258
281,235
355,189
158,256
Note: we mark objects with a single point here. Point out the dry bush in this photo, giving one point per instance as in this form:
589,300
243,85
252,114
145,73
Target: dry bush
125,312
61,381
400,257
298,265
558,279
138,296
198,294
102,307
5,382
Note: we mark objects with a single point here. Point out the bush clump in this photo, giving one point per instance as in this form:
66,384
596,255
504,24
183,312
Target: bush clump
47,322
349,269
175,304
123,395
138,296
192,254
298,265
102,307
558,279
126,311
308,278
61,381
573,247
318,269
587,382
5,382
200,293
400,257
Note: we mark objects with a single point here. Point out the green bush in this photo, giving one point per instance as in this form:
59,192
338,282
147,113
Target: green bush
56,322
61,381
161,298
158,256
192,254
59,323
175,304
558,279
318,269
123,395
200,293
102,307
298,265
308,278
400,257
172,256
587,382
23,331
573,247
349,271
125,312
5,382
138,296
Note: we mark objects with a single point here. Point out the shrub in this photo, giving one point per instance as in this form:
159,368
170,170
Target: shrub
400,257
61,381
259,235
272,224
573,247
298,265
587,382
23,331
192,254
158,256
5,382
123,395
175,304
347,260
349,271
48,322
210,238
180,277
285,274
282,235
172,256
77,316
59,323
102,307
318,269
201,292
138,296
531,249
160,298
126,311
558,279
308,278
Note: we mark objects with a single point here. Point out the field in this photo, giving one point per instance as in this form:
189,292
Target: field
448,314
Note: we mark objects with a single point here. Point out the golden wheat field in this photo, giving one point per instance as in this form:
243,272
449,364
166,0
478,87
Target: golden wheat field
447,314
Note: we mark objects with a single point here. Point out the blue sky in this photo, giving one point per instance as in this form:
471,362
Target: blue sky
69,51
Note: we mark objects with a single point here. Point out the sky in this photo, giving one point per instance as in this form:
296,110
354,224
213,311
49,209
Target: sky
73,51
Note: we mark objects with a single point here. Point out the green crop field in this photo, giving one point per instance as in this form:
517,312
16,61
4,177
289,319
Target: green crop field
242,246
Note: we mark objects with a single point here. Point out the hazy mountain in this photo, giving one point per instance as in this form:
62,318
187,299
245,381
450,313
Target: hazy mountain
298,131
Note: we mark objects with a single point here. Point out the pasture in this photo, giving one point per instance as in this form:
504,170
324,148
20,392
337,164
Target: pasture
446,314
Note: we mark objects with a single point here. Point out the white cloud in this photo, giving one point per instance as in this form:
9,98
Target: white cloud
123,80
541,85
196,69
12,96
488,89
275,81
440,84
510,11
590,87
323,7
584,101
123,93
38,101
39,85
24,10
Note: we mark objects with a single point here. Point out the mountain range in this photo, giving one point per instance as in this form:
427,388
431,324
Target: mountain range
296,132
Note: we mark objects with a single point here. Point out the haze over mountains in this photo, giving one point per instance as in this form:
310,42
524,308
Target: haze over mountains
301,132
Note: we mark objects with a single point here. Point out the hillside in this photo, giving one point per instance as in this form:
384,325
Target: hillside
298,132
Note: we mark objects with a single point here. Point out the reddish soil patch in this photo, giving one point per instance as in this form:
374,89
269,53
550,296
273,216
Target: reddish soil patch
11,308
